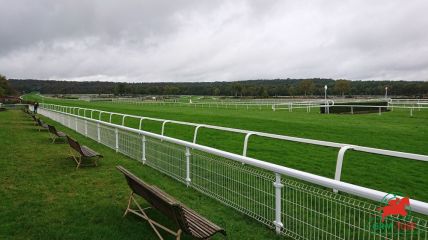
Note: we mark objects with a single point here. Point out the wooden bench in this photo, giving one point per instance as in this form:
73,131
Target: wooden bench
54,133
187,220
41,124
83,152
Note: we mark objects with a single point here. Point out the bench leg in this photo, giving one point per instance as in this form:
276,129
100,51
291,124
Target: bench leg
144,215
178,234
79,161
140,212
95,161
129,204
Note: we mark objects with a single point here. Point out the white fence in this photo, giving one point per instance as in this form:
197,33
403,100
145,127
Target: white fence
289,104
295,203
342,147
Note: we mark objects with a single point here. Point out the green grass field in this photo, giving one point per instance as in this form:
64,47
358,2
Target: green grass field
392,130
44,197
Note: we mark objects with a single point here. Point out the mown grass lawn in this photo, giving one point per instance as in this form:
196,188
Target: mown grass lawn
394,130
42,196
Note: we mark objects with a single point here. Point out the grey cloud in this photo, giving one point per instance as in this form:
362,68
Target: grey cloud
213,40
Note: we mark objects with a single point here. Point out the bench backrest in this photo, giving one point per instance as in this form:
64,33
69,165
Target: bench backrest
74,145
161,202
52,129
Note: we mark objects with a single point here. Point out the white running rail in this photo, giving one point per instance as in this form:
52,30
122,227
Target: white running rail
342,147
295,203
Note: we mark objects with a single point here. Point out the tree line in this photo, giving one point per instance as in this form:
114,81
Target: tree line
5,88
247,88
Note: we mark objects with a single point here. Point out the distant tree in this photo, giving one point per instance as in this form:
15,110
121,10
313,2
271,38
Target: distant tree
307,86
342,86
5,88
290,90
263,92
237,89
216,91
171,90
120,89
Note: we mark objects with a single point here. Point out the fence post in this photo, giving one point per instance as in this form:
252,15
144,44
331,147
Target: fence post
116,132
163,127
123,120
247,136
143,142
188,180
278,186
86,128
141,123
98,132
339,163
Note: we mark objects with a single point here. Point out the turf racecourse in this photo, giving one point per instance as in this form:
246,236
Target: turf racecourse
42,196
392,130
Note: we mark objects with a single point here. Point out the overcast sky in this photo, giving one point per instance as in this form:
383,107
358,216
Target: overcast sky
197,40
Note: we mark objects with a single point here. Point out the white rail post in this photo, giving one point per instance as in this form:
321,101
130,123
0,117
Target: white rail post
244,151
188,180
195,135
75,121
380,111
163,127
143,156
86,127
411,112
339,163
98,132
141,123
278,186
123,120
116,133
